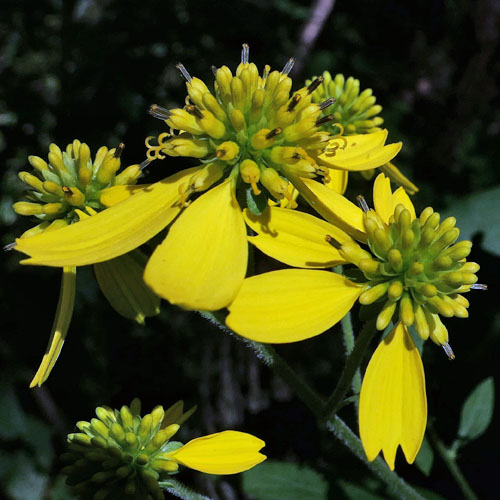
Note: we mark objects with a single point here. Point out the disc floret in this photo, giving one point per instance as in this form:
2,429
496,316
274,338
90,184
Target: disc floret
415,266
71,181
250,117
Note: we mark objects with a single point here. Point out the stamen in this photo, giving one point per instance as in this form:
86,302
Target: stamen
327,103
193,110
265,72
67,190
220,153
9,246
332,241
315,84
214,69
119,150
288,66
325,119
449,351
273,133
184,72
245,52
293,103
479,286
144,164
159,112
362,204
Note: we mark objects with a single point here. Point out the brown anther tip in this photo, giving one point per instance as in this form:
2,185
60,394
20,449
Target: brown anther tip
276,131
294,101
220,153
67,190
9,246
327,103
315,84
159,112
193,110
325,119
332,241
119,150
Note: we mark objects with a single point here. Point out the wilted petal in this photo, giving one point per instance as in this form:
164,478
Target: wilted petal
203,260
393,404
112,232
60,327
359,152
295,238
227,452
121,282
291,304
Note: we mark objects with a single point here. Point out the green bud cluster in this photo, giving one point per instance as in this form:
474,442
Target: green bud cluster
121,455
415,266
356,111
70,181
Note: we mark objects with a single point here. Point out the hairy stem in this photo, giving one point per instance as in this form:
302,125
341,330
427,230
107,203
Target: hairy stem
181,491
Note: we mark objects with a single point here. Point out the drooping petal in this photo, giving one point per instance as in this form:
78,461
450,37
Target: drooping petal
228,452
359,152
121,282
334,207
295,238
398,177
203,260
60,327
393,404
386,201
112,232
114,194
291,304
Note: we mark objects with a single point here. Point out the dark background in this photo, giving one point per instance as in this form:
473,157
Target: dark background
89,69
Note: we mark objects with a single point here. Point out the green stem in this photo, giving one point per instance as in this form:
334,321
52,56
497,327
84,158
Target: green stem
180,490
449,459
348,331
351,367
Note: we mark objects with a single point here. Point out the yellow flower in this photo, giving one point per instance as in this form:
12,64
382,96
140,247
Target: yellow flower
412,269
252,140
68,188
121,453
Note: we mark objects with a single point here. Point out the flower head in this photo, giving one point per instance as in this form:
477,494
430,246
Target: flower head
121,454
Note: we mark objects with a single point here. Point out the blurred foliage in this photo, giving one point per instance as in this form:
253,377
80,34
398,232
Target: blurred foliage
89,69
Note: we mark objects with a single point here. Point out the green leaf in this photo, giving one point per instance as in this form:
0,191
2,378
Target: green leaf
355,492
256,203
38,436
274,480
23,481
479,213
12,419
425,457
477,411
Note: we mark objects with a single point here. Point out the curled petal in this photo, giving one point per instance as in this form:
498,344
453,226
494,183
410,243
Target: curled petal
295,238
393,404
291,304
359,152
227,452
112,232
202,262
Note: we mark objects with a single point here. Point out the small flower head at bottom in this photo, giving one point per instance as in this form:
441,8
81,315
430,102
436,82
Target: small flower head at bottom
120,454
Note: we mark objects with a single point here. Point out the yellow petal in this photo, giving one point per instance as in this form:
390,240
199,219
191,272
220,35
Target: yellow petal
291,304
114,194
60,327
385,201
338,180
295,238
393,404
332,206
203,260
112,232
227,452
398,177
359,152
121,282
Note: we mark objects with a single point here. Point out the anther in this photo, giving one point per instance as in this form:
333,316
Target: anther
315,84
193,110
273,133
325,119
220,153
119,150
214,69
327,103
448,350
245,52
9,246
288,66
362,203
479,286
293,103
184,72
332,241
144,164
159,112
67,190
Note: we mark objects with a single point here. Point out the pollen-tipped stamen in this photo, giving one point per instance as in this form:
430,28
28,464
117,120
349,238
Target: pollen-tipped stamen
184,72
159,112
